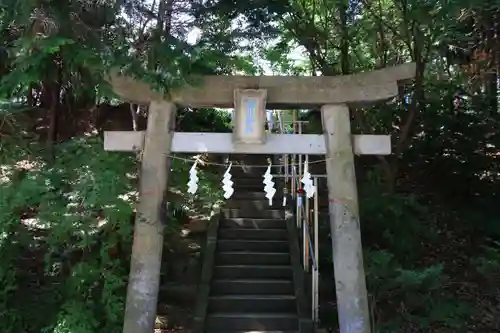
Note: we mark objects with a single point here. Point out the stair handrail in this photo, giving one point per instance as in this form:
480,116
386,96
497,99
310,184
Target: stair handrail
312,256
291,172
311,249
303,220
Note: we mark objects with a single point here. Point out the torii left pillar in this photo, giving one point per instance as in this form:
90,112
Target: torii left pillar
144,279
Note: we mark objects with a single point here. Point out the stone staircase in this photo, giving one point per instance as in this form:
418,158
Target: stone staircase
256,282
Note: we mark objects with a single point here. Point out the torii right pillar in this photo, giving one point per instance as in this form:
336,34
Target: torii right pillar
352,298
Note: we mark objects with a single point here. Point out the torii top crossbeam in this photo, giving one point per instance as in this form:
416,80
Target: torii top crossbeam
283,92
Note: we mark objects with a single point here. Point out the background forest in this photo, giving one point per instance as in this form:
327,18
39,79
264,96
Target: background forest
430,213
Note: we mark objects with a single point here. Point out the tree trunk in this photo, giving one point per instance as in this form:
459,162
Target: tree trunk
344,39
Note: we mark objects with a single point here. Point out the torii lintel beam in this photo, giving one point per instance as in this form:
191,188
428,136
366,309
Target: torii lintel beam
283,92
221,143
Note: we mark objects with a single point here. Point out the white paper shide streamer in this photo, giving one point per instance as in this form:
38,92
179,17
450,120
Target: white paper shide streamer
269,185
227,183
309,188
193,179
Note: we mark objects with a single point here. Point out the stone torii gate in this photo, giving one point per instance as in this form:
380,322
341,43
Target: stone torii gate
334,95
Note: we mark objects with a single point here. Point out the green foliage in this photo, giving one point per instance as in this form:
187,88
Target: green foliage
418,292
396,222
489,263
82,204
204,120
67,200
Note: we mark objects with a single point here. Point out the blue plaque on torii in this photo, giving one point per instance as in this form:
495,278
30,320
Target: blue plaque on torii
250,106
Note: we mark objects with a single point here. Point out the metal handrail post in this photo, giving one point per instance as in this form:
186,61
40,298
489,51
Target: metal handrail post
316,250
307,215
299,185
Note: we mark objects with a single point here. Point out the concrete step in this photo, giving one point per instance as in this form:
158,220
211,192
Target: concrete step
250,212
253,234
252,287
250,195
251,207
256,203
242,223
253,321
253,187
253,246
261,202
260,195
252,258
252,303
252,272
